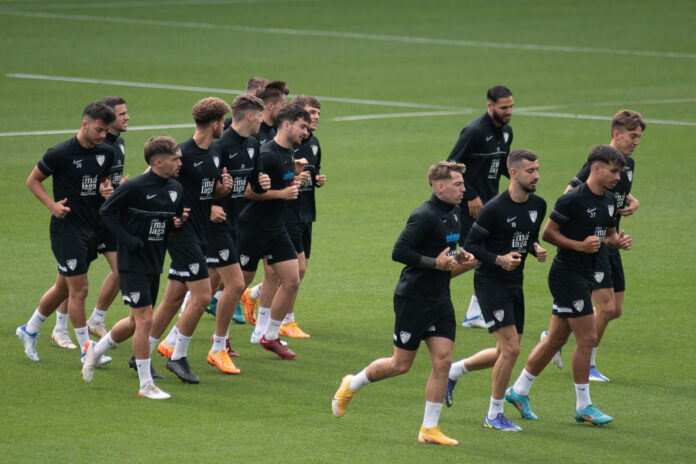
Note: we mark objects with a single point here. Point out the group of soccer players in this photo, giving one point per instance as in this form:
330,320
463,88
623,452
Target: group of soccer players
496,233
218,203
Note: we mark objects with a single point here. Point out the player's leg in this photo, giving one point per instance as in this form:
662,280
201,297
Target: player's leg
174,295
508,344
60,336
78,287
441,356
289,328
233,281
267,292
604,311
107,294
288,274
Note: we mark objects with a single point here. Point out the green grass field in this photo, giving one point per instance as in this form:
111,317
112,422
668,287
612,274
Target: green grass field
571,66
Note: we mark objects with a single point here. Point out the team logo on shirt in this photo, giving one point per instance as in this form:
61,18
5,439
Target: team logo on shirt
224,254
216,160
100,159
135,297
432,328
173,195
498,314
72,264
315,149
599,276
533,215
404,336
243,260
194,268
629,174
506,136
122,147
578,305
250,150
611,210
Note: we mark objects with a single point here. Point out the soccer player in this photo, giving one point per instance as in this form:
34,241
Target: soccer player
422,304
202,180
252,86
483,146
608,289
80,167
141,214
581,220
505,231
262,233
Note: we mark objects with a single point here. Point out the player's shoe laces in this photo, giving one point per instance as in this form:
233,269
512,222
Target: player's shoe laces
275,346
449,394
556,360
164,349
342,397
211,308
153,373
597,376
292,330
435,436
222,361
521,403
501,423
592,415
96,329
29,342
475,322
238,315
181,369
151,391
60,337
249,306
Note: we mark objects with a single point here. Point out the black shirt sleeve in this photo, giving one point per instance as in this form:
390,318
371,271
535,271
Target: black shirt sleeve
109,212
417,227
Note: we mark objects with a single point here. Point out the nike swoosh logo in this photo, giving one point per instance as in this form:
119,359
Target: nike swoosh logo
488,138
150,197
233,155
511,219
197,163
591,210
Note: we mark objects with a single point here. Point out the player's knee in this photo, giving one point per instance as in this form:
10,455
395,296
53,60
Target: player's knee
292,284
80,292
201,300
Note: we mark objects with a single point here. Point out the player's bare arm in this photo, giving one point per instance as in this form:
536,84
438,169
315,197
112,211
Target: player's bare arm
35,183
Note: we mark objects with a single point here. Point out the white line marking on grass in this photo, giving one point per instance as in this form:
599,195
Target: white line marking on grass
66,6
74,131
225,91
608,104
600,118
399,115
355,35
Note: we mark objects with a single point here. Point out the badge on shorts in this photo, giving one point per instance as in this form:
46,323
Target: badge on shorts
224,254
533,215
72,264
100,159
135,297
194,268
499,314
578,305
243,260
599,276
173,195
404,336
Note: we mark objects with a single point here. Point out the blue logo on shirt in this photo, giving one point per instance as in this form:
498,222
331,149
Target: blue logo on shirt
452,238
288,175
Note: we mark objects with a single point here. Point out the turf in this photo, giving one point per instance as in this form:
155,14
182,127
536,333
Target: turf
579,58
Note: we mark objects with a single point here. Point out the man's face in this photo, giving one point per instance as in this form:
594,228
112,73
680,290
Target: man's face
626,140
94,130
314,116
501,111
527,175
609,174
254,118
451,190
276,107
170,165
122,118
298,131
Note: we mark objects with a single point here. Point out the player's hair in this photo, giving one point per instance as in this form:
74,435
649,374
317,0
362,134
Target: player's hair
306,100
272,91
209,109
496,93
292,113
112,102
254,84
516,156
443,170
160,145
606,154
627,120
96,110
244,104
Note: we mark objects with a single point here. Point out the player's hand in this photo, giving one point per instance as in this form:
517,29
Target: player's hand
624,241
475,206
59,209
178,222
320,180
124,178
630,206
540,253
443,262
590,244
289,193
217,214
264,181
105,188
227,182
509,261
464,257
299,165
301,178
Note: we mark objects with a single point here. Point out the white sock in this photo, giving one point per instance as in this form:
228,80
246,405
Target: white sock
495,408
474,308
184,303
262,319
359,380
106,343
61,321
98,315
289,317
217,295
182,342
143,371
172,336
273,329
153,343
35,322
432,414
457,369
82,337
524,383
218,343
582,393
594,355
256,292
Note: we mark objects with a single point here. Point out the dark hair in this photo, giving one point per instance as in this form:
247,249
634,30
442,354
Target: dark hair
443,170
254,84
627,120
96,110
160,145
606,154
272,91
292,113
209,109
496,93
516,156
244,104
112,102
306,100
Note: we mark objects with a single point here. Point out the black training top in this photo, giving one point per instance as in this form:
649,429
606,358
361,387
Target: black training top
304,208
267,216
139,213
77,172
118,146
199,172
580,214
431,228
504,226
483,147
265,133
